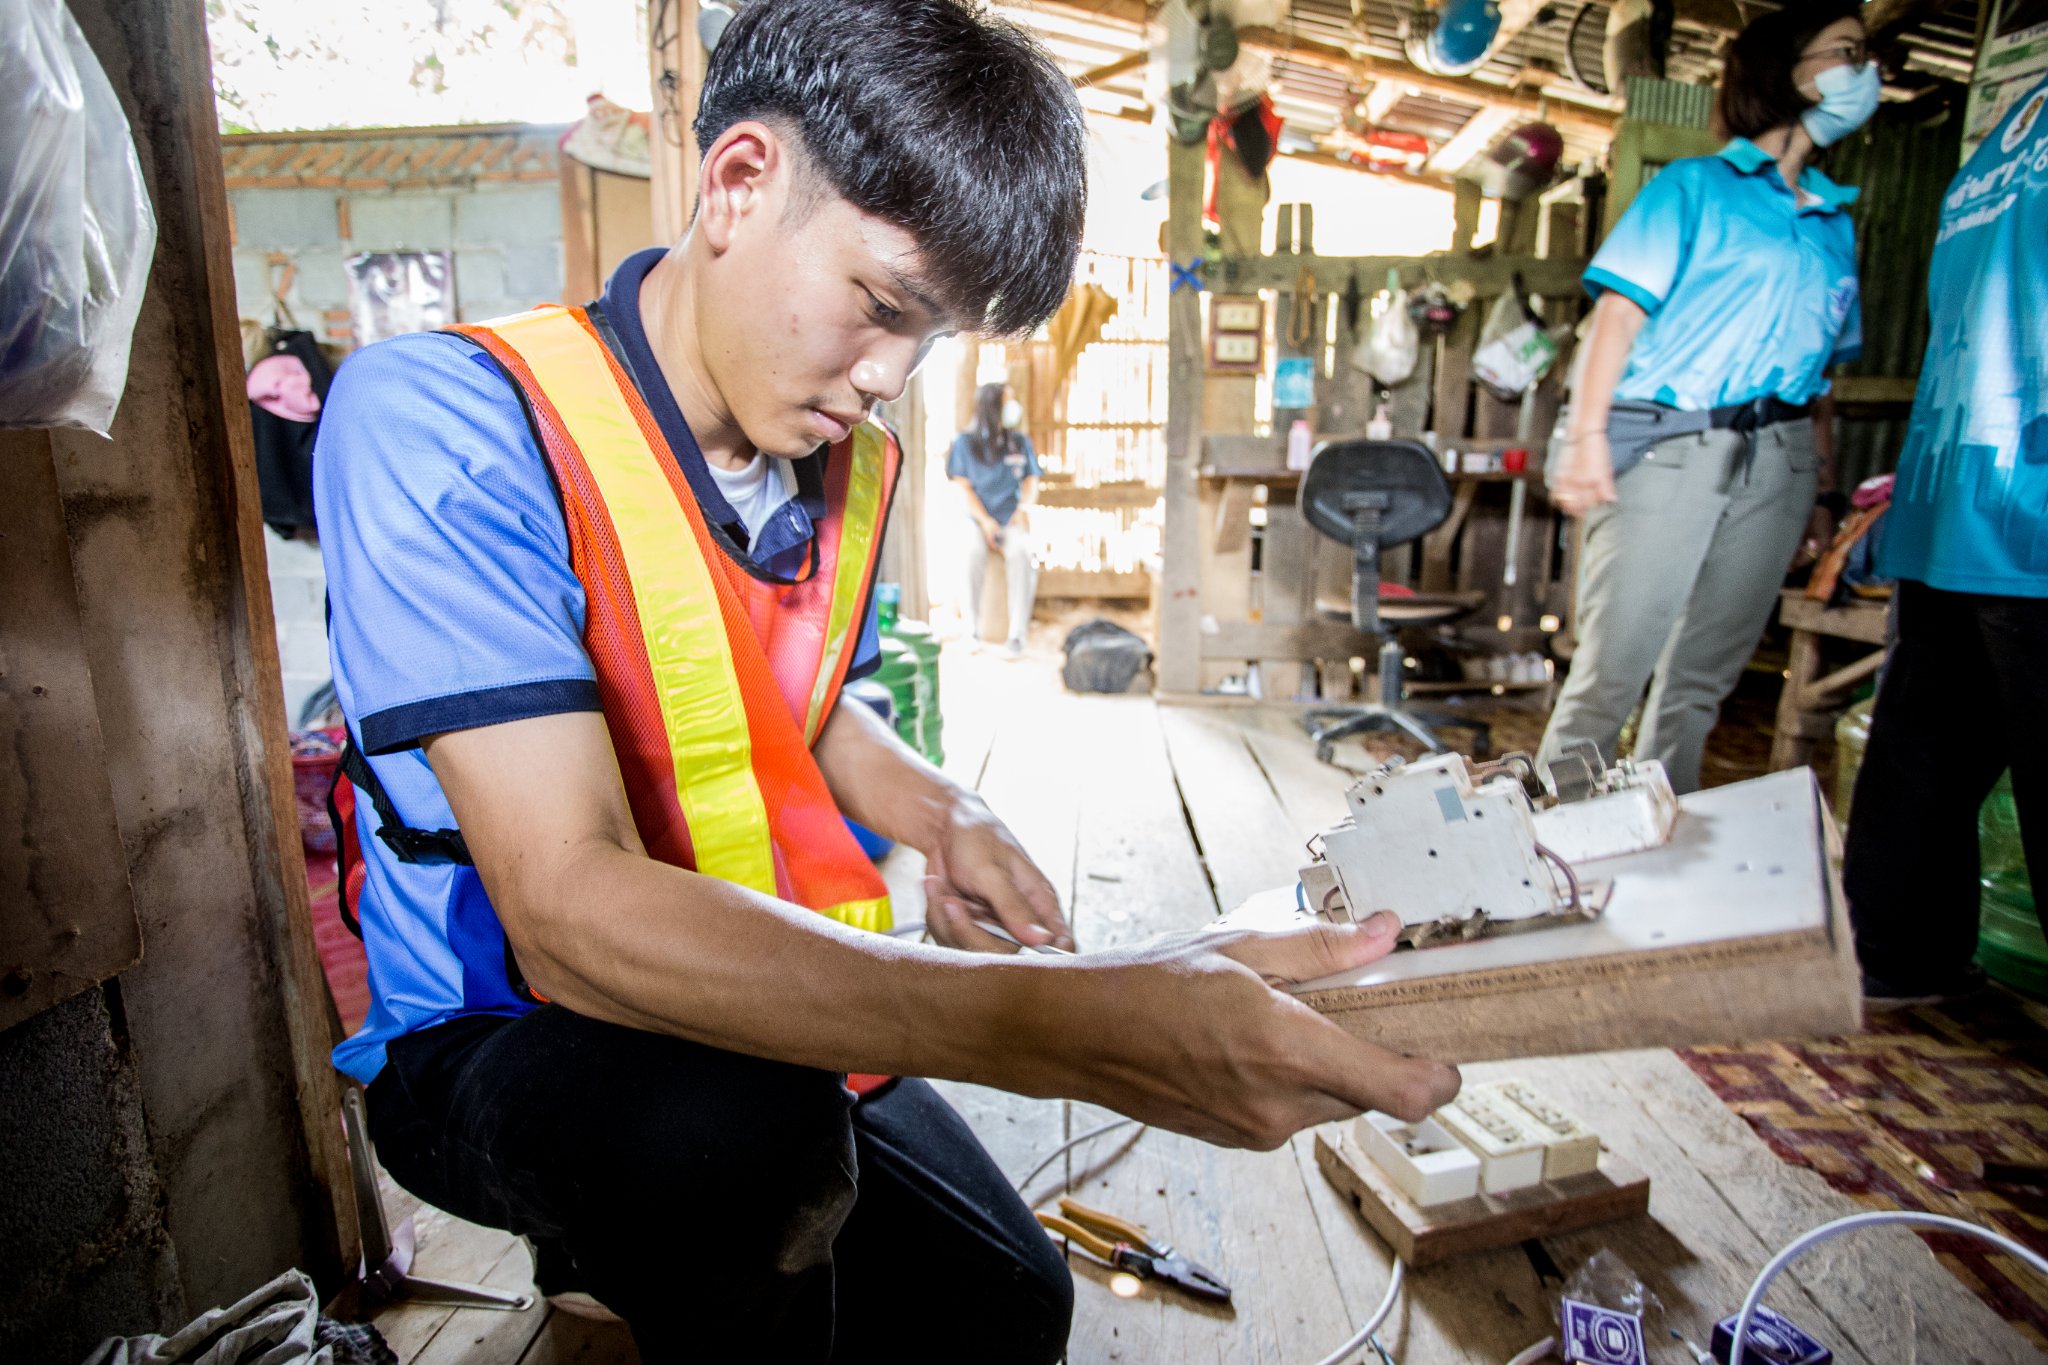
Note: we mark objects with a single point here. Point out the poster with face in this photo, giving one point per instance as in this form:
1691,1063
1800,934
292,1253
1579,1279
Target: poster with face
390,292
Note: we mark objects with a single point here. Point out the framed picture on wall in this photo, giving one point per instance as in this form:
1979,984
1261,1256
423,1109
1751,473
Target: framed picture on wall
390,292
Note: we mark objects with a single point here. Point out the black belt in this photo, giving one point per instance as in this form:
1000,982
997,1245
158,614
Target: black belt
1756,414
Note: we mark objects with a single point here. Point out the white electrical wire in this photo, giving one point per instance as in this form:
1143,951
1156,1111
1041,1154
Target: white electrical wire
1908,1217
1069,1145
1529,1355
1372,1323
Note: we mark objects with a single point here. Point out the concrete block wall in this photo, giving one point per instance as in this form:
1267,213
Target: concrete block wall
506,244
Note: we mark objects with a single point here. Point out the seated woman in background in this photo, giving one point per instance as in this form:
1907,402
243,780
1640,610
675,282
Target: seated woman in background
1692,447
997,471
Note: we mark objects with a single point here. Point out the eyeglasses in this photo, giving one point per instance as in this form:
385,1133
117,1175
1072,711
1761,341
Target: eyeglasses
1852,53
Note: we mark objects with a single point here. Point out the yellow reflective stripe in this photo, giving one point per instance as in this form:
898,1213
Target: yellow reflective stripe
695,681
859,525
872,916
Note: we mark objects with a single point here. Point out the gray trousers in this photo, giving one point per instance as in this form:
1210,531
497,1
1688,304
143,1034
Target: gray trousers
1021,578
1676,583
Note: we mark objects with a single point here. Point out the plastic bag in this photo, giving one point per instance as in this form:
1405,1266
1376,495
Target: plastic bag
76,230
1514,351
1391,346
1103,657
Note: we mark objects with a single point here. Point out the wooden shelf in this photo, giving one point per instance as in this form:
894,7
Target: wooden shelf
1094,583
1291,477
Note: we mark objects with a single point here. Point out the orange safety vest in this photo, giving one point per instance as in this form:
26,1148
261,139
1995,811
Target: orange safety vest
715,684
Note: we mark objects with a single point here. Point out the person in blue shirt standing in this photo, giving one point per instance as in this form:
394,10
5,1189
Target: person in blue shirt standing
997,472
1698,437
1965,690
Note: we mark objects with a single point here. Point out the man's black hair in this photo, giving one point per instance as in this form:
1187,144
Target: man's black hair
934,116
1757,91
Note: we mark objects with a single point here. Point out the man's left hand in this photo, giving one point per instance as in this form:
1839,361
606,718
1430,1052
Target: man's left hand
976,870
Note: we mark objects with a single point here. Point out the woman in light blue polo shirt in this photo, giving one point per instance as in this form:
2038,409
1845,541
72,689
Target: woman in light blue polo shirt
1690,448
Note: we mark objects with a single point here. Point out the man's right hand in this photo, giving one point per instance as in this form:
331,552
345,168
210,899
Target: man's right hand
1195,1035
992,532
1587,477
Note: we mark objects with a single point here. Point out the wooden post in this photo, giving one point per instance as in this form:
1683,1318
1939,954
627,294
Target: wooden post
1180,601
228,1009
675,74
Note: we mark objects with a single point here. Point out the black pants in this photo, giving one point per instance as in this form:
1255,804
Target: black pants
728,1208
1965,696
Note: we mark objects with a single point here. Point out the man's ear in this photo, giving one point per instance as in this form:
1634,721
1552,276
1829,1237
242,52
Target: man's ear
743,175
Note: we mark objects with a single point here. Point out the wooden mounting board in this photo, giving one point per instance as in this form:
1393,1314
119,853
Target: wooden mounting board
1735,931
1424,1236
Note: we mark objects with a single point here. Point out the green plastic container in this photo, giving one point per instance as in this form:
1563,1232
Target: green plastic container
1852,736
924,646
909,691
2010,945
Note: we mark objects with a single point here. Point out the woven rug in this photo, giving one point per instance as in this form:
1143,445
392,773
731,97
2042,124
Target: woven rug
1904,1115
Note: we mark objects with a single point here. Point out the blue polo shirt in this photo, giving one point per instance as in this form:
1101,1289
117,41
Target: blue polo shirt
1751,291
998,483
452,605
1969,508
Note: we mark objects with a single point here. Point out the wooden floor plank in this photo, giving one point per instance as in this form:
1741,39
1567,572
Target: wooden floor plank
1244,1215
1876,1291
479,1336
448,1249
569,1340
1248,842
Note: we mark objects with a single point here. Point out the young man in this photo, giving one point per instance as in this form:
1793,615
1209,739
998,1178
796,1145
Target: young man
616,1012
1967,540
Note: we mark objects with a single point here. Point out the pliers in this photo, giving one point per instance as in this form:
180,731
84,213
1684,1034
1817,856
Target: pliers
1127,1247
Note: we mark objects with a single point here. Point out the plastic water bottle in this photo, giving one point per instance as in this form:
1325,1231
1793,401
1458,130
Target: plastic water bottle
1299,441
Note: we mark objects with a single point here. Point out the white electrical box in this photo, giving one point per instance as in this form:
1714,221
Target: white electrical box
1569,1147
1633,810
1421,1160
1506,1140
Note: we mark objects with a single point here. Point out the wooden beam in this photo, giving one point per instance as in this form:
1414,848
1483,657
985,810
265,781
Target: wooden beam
1180,577
1343,163
1886,21
675,73
1579,117
1130,61
1489,275
1470,140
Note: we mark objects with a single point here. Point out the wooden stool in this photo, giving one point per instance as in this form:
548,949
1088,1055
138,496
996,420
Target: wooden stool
1810,703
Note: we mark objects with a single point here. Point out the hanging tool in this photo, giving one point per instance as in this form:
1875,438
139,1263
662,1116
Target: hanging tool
1127,1247
1301,315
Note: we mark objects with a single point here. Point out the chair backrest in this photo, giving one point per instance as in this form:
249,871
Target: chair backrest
1403,476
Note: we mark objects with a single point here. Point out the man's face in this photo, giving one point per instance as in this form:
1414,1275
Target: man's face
814,316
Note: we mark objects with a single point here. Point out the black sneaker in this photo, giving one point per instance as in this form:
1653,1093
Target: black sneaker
1879,994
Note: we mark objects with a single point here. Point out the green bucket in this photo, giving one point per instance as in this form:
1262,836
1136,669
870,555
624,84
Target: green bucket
2010,945
917,638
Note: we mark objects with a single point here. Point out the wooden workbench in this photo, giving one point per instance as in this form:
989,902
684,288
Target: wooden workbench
1149,818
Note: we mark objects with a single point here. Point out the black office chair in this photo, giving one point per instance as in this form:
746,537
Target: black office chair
1374,496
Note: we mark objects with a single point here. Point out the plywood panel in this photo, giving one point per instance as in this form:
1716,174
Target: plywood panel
67,918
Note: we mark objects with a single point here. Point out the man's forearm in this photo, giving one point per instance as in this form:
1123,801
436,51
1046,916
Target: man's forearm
651,946
882,782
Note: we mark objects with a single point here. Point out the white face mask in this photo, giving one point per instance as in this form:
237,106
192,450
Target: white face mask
1013,414
1848,97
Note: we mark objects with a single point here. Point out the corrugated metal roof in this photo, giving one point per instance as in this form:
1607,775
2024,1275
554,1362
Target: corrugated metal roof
392,158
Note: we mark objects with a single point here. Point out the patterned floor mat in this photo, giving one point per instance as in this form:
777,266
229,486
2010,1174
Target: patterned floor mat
1905,1114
